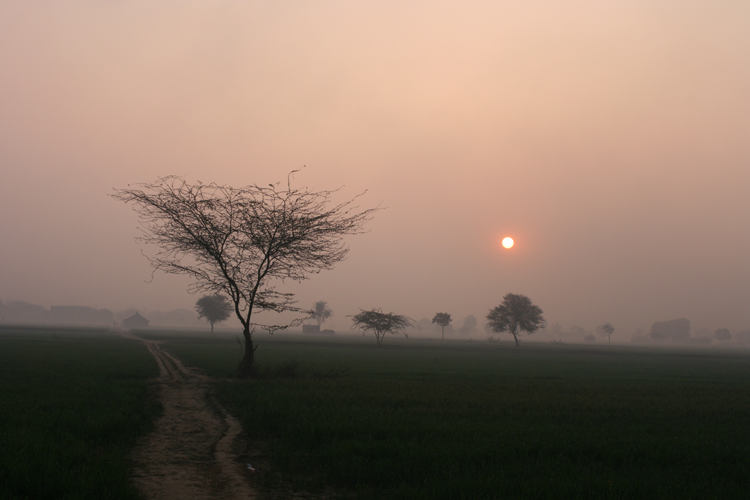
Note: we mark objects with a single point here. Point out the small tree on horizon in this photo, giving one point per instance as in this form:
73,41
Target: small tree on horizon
442,319
321,312
215,308
470,325
515,314
723,334
380,323
606,329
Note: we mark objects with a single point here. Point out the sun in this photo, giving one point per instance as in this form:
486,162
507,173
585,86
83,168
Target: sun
508,242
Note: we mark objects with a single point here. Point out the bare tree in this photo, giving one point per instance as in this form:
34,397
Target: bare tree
442,319
380,323
215,308
241,242
516,314
606,329
321,312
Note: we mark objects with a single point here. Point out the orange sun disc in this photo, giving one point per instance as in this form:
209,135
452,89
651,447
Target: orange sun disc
508,242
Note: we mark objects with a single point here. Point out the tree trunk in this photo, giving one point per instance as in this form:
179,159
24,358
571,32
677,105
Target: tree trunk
247,366
515,337
212,327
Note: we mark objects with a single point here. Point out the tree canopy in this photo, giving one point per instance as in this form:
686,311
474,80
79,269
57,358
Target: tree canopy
380,323
242,242
215,308
676,330
606,329
470,325
723,334
515,314
442,319
321,312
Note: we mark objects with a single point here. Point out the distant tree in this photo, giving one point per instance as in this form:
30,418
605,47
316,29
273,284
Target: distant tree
380,323
606,329
578,331
442,319
423,324
556,331
676,330
214,308
723,334
515,314
320,312
589,339
470,325
242,242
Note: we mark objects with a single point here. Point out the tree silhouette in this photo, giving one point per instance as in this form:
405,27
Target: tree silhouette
380,323
320,312
515,314
723,334
470,325
676,330
215,308
442,319
241,242
606,329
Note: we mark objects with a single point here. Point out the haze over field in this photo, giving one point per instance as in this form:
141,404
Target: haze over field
610,140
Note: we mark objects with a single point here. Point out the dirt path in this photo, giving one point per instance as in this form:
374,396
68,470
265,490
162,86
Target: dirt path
189,455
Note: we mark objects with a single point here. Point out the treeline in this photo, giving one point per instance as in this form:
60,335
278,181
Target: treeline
20,312
676,331
17,311
679,331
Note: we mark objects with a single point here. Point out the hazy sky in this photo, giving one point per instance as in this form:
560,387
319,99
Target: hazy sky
610,139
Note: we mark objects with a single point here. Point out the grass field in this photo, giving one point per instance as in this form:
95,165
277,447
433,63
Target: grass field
475,420
72,403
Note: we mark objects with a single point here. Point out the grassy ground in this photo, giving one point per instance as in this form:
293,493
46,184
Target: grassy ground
473,420
72,403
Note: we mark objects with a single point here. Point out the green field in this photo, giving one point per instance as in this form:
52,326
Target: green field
475,420
72,404
415,419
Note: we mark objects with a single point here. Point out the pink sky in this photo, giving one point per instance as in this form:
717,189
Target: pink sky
610,139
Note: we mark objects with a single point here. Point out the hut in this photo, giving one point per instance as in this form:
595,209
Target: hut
310,328
135,321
